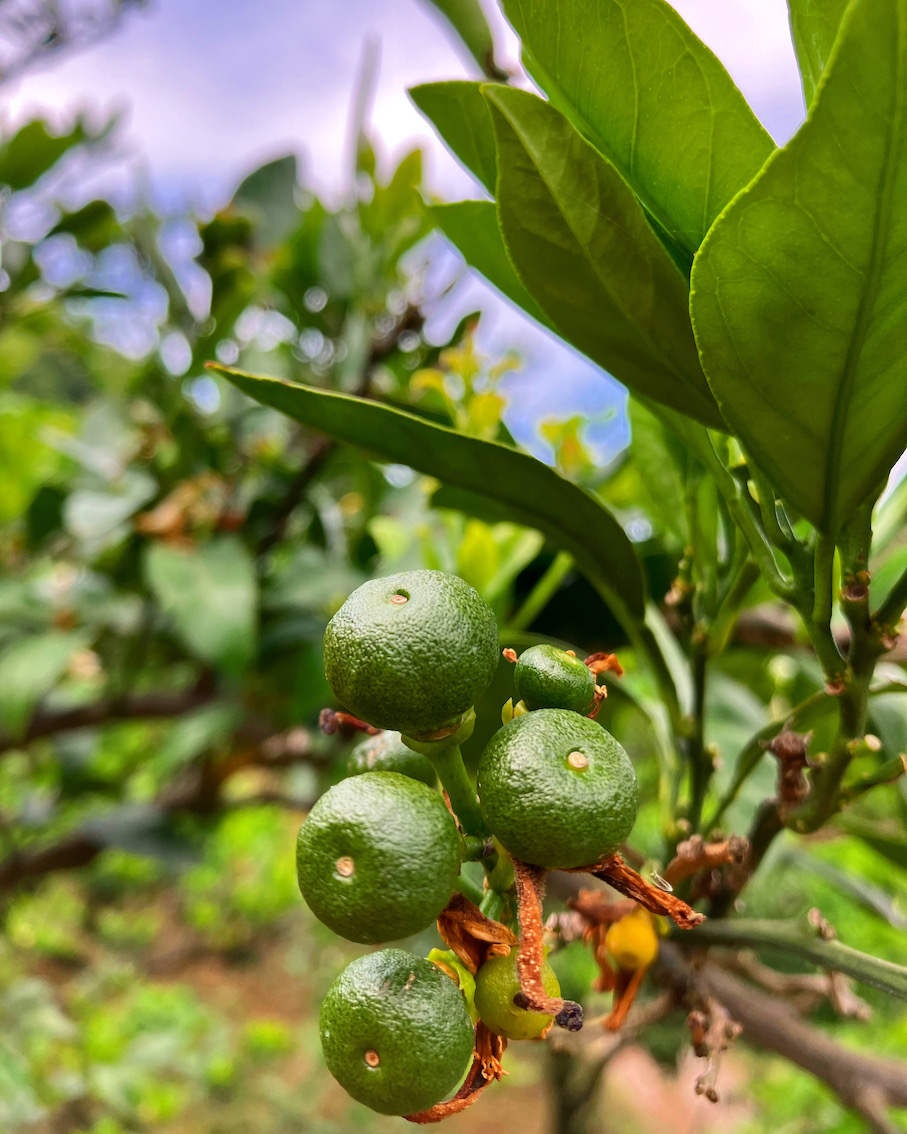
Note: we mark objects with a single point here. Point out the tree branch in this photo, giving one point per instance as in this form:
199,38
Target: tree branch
862,1082
805,942
140,706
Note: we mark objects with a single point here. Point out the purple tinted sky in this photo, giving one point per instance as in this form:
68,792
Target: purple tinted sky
211,91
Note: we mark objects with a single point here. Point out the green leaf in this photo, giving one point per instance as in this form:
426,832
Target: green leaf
472,227
585,251
660,458
34,150
211,597
459,113
890,844
798,294
652,98
467,19
814,27
532,493
29,669
269,195
95,225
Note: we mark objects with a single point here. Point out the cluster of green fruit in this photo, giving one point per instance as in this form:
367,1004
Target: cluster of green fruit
380,854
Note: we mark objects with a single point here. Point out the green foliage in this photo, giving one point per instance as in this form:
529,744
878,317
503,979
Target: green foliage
823,231
175,540
531,492
636,81
582,246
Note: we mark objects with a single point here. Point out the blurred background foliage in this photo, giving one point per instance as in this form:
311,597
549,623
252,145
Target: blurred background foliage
170,555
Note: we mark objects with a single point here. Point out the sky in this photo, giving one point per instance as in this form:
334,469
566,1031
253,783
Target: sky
209,92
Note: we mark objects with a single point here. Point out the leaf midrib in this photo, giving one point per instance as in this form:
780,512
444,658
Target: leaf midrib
881,225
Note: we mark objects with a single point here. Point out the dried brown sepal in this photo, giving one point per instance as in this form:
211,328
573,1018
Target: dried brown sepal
599,908
473,1085
601,692
604,663
332,721
530,884
626,881
490,1048
473,936
695,854
626,987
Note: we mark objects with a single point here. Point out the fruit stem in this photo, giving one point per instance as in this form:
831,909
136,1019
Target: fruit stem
448,763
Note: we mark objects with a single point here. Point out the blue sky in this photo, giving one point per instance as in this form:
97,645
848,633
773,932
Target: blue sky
210,91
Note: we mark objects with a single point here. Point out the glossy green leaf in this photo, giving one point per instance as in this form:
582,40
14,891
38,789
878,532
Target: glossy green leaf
532,493
652,98
472,227
459,113
211,597
814,27
29,669
586,253
467,19
798,296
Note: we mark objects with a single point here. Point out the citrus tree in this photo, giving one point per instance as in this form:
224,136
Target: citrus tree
751,299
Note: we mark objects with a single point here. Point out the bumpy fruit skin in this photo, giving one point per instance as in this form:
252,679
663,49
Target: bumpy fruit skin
417,665
542,807
386,752
497,982
548,678
411,1020
377,857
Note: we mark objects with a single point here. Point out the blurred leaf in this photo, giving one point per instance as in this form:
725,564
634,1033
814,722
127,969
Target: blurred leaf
142,829
472,227
459,113
661,458
652,99
814,27
861,889
467,19
583,248
34,150
531,493
94,226
93,513
802,275
29,669
890,844
269,195
211,595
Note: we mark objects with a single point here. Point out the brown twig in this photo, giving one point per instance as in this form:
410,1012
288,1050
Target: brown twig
695,855
140,706
626,881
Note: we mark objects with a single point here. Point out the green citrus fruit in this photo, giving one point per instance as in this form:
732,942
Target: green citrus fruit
395,1032
411,652
557,790
377,857
386,752
497,982
548,678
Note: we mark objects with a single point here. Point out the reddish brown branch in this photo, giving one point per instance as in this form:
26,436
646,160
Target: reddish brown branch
626,881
